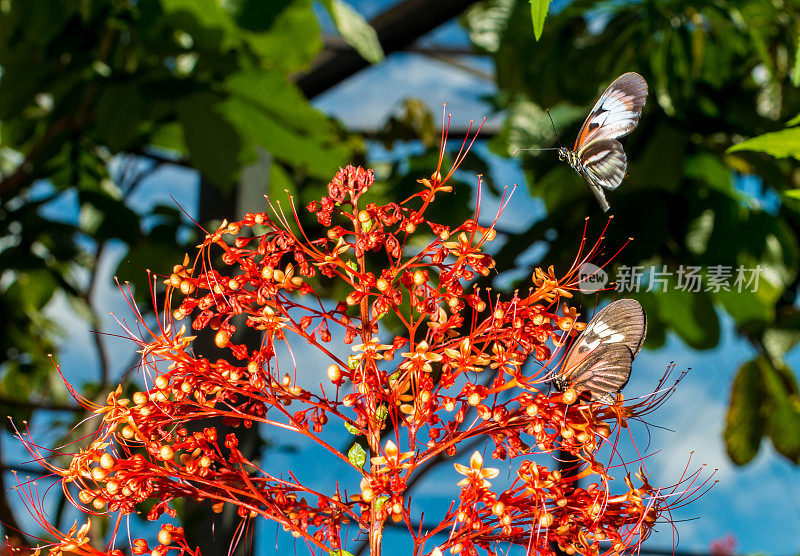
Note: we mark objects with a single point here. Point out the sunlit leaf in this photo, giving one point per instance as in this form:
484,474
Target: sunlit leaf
293,40
779,340
267,111
356,455
355,30
486,22
209,24
380,501
699,232
780,144
538,15
170,137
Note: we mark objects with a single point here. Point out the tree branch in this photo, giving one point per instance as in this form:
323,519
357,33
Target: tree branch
397,28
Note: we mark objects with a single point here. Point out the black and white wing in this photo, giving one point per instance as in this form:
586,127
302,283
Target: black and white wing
600,374
599,362
615,113
603,164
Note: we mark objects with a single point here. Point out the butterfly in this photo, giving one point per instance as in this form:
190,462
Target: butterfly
597,155
599,361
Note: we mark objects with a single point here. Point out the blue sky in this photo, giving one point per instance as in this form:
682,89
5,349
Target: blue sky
757,503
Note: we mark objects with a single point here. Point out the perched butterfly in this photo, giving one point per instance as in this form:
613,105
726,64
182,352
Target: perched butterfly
599,362
597,155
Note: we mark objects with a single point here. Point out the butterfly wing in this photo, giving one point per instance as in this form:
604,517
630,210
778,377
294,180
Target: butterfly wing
603,163
601,373
600,359
616,112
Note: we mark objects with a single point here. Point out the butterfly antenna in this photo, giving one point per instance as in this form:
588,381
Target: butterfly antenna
548,149
554,131
552,123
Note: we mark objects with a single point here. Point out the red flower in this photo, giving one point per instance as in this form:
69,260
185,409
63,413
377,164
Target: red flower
475,368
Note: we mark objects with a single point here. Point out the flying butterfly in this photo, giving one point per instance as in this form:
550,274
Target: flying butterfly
599,361
597,155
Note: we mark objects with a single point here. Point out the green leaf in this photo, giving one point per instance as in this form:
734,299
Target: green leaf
699,232
487,21
793,121
33,290
120,111
793,194
257,15
339,552
214,144
744,425
170,137
380,501
103,217
690,314
351,429
293,40
778,341
767,260
783,409
796,72
211,27
780,144
538,14
356,455
268,111
355,30
280,183
711,170
775,251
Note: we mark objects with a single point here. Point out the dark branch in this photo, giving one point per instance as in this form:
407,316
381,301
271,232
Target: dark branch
397,28
337,44
26,404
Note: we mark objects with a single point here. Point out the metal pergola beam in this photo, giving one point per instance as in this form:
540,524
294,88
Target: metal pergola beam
397,28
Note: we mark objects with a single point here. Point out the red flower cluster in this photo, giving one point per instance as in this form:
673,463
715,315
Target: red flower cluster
466,365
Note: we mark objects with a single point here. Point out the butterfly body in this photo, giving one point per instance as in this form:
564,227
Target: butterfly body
598,364
597,155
